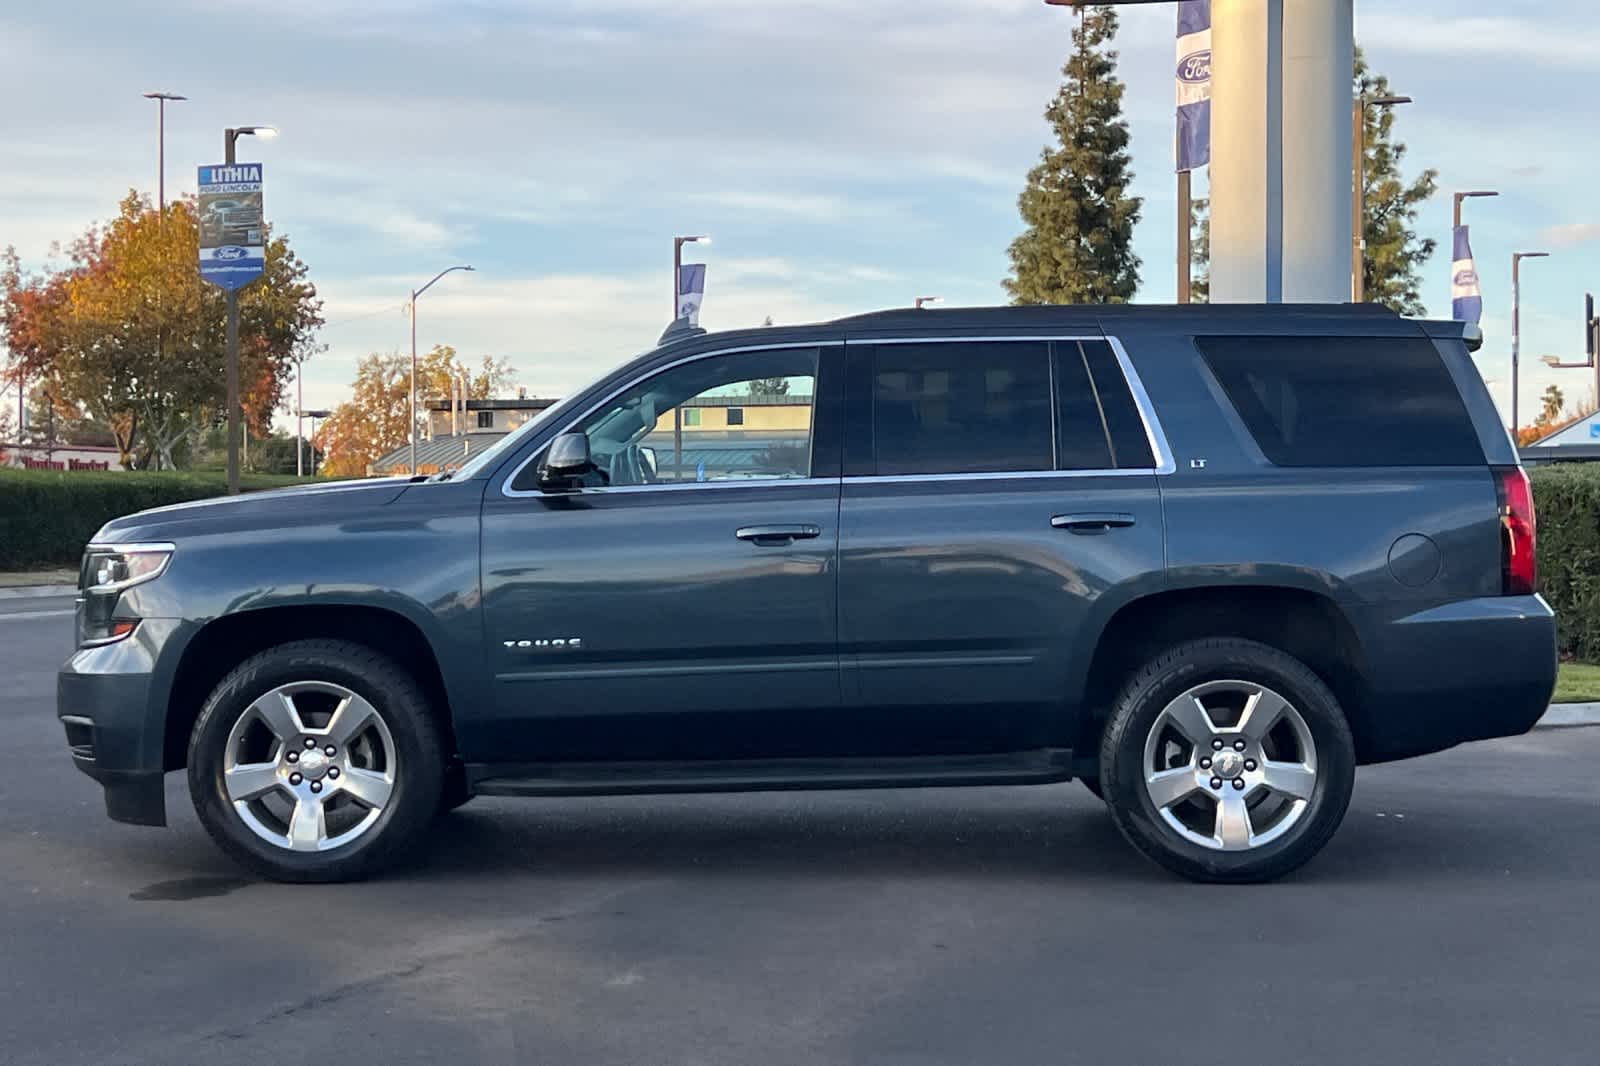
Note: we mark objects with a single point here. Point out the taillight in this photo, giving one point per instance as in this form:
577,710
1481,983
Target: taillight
1519,569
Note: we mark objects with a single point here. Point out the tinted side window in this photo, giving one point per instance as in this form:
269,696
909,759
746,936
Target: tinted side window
1080,428
1130,443
1345,401
963,407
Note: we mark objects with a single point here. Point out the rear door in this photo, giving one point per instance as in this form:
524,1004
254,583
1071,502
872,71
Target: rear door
999,495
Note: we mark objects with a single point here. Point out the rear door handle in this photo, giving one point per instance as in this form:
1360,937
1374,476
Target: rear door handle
1083,524
777,534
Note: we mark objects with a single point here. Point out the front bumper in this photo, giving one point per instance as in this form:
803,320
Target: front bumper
112,706
1471,670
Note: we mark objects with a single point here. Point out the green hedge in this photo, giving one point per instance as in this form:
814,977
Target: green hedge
1566,497
47,516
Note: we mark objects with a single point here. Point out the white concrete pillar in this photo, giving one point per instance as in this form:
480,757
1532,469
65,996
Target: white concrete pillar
1247,151
1318,149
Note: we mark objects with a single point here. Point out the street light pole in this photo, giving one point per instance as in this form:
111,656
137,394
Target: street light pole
414,294
677,266
229,136
1456,219
1516,328
927,301
161,146
1358,249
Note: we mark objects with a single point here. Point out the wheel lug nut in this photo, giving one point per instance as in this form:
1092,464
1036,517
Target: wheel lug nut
1250,764
1238,745
330,751
293,756
1205,764
1238,784
295,779
310,743
1216,782
1216,745
333,771
316,786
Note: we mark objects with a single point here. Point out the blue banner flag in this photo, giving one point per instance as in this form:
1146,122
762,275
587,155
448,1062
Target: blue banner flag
1466,299
1194,84
233,230
691,291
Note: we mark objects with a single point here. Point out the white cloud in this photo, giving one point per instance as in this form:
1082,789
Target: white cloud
1571,233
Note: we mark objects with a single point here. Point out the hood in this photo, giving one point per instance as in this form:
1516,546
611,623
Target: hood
272,507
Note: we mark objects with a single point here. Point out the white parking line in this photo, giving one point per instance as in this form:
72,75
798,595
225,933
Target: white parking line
20,615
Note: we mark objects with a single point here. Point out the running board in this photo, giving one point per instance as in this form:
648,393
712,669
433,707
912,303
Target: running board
1039,767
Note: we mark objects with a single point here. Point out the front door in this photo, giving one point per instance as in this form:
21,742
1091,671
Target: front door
994,492
680,602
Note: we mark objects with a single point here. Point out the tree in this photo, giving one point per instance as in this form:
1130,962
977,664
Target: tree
376,419
1200,251
1078,245
1392,268
128,332
1553,401
769,387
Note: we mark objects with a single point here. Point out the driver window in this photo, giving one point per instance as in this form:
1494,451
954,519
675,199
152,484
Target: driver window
743,417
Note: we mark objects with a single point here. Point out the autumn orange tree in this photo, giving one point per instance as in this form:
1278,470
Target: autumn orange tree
128,332
376,420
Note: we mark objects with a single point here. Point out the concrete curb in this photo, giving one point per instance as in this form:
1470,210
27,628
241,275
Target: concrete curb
1570,714
29,592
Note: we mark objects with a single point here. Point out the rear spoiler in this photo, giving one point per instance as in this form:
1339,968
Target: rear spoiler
1467,333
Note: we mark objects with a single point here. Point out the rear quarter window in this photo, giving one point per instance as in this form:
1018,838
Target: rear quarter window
1345,401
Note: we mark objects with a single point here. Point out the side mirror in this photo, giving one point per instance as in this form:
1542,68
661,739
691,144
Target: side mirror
567,460
647,456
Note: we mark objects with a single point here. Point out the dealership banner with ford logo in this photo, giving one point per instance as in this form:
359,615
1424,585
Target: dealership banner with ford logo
233,231
1466,298
1194,84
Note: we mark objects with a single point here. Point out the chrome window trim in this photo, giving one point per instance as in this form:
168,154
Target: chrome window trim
1154,433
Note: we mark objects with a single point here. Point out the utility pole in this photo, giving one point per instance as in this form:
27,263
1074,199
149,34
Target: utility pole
414,294
1185,211
232,341
161,146
1358,251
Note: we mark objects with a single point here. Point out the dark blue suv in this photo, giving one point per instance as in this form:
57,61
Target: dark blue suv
1206,560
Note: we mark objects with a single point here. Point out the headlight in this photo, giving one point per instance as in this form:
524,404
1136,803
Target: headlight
113,567
107,570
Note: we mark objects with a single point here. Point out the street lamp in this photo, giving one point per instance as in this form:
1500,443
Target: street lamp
1516,327
1358,285
161,146
313,415
927,301
1469,194
414,294
229,136
677,265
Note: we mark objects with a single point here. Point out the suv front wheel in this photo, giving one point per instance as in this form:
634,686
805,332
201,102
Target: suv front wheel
1227,760
317,760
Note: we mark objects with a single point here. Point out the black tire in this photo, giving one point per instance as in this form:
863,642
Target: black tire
1169,675
398,701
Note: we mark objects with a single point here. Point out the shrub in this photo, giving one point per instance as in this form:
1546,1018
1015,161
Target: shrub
1566,497
47,516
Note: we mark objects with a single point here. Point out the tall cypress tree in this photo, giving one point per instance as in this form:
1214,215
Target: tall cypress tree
1395,254
1078,247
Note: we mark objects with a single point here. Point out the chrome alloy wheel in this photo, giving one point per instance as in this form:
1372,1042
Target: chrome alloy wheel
309,766
1230,765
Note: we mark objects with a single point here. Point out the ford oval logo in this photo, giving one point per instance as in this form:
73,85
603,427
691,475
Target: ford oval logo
1195,68
230,252
1465,278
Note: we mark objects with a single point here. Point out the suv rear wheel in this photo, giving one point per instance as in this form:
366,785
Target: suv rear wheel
316,760
1227,760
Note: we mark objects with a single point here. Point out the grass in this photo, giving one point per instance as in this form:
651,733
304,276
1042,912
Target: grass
1578,683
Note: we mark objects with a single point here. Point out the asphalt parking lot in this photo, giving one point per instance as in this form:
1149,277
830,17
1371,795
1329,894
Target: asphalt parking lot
1453,920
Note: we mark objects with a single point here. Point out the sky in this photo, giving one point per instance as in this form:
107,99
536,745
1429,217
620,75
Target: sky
845,156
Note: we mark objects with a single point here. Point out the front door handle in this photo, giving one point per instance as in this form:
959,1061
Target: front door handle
777,534
1085,524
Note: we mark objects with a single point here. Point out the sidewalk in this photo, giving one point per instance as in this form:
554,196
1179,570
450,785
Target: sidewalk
22,584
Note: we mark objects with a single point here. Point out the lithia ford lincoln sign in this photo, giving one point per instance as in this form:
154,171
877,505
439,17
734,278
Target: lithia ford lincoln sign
233,246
